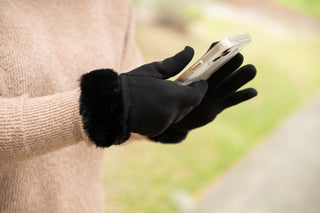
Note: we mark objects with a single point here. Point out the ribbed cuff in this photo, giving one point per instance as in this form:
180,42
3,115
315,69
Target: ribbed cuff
170,136
101,107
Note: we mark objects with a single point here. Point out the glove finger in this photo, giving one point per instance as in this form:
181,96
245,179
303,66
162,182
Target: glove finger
175,64
166,68
193,94
225,71
235,81
183,113
239,97
212,45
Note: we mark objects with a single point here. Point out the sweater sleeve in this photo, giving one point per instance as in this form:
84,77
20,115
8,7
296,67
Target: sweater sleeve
131,57
31,127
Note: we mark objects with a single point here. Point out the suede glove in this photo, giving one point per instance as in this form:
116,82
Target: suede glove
221,94
141,101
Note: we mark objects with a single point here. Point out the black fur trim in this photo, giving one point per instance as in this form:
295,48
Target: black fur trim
101,107
170,137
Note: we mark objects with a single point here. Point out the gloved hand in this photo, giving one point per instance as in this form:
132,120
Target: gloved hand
221,94
140,101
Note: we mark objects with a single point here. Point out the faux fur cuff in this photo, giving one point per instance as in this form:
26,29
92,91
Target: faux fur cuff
101,107
170,137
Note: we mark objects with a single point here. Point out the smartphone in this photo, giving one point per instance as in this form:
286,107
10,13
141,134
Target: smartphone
214,59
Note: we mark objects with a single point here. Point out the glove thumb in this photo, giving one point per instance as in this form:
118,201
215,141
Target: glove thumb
175,64
167,68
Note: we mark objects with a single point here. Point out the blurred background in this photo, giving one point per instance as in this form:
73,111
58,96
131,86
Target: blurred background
150,177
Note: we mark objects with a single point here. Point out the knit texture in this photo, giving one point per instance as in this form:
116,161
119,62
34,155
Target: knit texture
46,161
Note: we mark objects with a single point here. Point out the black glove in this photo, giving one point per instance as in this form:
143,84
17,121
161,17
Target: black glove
140,101
221,94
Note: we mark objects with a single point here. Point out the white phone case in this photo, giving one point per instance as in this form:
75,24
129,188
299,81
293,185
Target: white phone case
214,59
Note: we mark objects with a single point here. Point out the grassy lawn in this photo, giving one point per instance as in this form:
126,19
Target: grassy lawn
307,6
143,176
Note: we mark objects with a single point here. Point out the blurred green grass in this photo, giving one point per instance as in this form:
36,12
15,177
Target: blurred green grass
307,6
143,176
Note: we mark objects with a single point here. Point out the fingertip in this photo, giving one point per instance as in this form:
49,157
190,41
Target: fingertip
212,45
188,53
237,60
254,91
250,93
252,71
240,57
250,68
189,49
173,65
249,71
239,97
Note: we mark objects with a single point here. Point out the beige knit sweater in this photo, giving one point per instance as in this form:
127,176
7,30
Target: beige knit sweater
45,46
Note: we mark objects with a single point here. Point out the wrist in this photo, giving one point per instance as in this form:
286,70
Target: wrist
101,108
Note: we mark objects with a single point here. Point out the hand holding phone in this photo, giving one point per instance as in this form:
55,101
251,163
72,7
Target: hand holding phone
214,59
224,87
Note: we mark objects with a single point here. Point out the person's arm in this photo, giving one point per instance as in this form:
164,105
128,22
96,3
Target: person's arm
30,127
131,56
141,101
